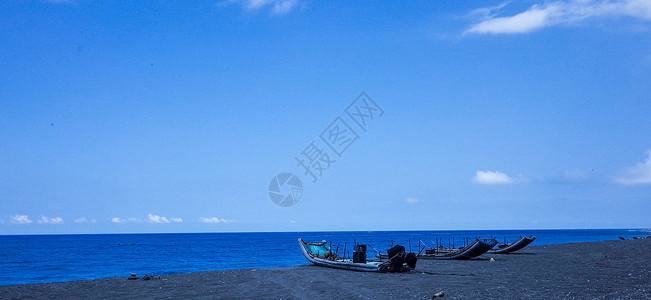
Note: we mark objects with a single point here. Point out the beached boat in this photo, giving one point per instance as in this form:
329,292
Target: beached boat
474,249
520,243
320,254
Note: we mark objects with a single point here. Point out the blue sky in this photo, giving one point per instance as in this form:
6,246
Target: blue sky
164,116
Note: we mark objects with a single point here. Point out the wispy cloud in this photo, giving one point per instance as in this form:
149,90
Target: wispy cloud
46,220
411,200
214,220
277,7
83,220
118,220
486,12
639,174
285,6
556,13
128,220
490,177
151,218
20,219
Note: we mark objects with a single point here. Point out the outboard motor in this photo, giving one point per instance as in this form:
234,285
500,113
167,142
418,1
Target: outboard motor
395,250
411,260
359,254
397,257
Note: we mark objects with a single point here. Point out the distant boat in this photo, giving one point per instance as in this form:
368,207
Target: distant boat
472,250
520,243
320,254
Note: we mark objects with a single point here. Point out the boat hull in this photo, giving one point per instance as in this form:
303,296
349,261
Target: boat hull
520,243
474,249
338,264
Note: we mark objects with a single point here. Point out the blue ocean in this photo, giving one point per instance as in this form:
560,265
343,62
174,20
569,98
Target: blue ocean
52,258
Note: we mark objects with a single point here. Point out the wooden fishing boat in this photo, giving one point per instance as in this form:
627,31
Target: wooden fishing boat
520,243
320,254
474,249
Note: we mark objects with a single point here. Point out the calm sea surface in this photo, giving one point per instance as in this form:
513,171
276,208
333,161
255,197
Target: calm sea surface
51,258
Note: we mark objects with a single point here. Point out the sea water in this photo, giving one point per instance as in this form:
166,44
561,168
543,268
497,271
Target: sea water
52,258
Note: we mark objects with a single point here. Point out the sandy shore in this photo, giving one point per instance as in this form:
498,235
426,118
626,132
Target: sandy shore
597,270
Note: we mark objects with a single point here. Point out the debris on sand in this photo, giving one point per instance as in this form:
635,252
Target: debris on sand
439,294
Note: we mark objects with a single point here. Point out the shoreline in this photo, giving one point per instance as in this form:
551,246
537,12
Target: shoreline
586,270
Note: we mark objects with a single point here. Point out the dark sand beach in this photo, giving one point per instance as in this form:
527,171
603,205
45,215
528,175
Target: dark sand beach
595,270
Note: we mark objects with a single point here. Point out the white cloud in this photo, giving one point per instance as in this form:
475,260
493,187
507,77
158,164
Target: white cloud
118,220
151,218
20,219
84,220
557,13
278,7
156,219
639,174
209,220
529,20
46,220
128,220
292,222
214,220
489,177
411,200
